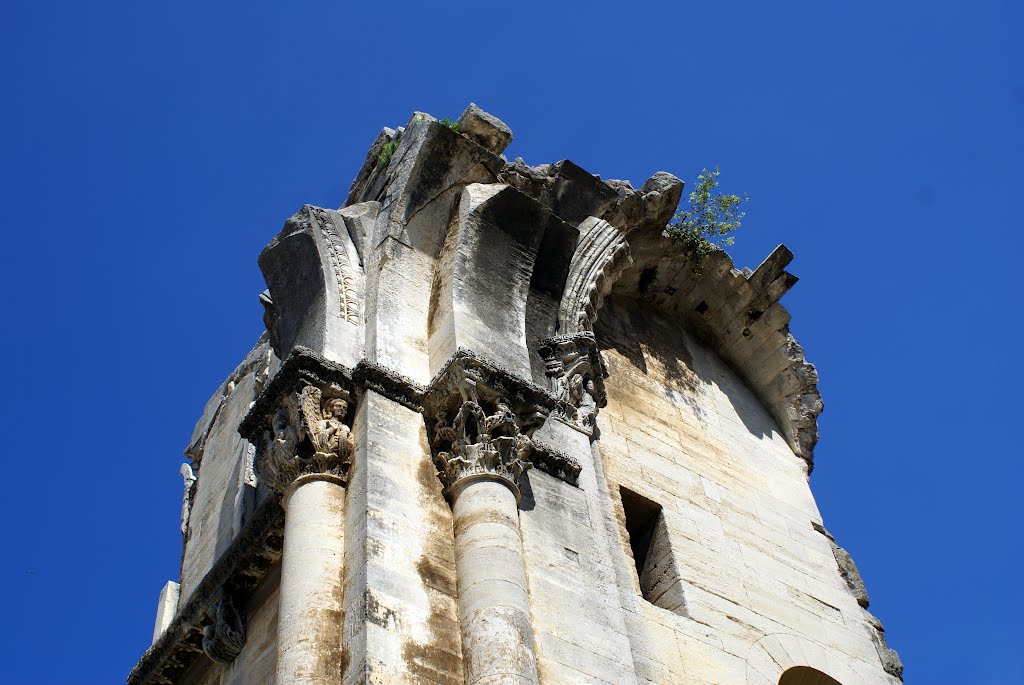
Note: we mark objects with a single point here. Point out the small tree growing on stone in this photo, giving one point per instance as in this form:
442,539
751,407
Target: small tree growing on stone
705,224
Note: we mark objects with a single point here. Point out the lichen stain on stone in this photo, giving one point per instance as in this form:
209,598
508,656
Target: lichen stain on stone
428,659
343,665
442,264
487,516
432,663
379,614
427,473
436,576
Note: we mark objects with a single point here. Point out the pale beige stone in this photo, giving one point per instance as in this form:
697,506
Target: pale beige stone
166,607
309,626
464,370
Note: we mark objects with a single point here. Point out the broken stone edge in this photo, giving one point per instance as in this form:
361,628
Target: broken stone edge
623,233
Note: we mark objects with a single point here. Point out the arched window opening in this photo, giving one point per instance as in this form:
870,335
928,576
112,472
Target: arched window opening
805,675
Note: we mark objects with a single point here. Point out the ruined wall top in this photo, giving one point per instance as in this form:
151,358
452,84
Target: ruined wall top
443,244
465,288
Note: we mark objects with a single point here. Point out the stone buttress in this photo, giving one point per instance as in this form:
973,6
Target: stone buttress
500,429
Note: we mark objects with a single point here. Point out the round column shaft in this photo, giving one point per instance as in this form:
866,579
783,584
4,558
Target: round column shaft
309,628
497,636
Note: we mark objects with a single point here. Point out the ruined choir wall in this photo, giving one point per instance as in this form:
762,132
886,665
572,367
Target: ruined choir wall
742,562
501,430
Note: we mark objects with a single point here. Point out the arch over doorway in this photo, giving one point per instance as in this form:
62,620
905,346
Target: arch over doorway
805,675
788,659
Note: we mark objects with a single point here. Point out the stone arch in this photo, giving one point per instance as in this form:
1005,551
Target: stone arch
735,312
600,257
316,282
418,191
788,659
805,675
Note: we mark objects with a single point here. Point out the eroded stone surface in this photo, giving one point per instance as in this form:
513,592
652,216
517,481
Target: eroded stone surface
484,129
459,320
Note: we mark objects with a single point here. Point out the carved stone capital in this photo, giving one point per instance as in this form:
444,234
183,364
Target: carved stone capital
301,425
469,377
224,635
480,419
480,446
575,372
308,435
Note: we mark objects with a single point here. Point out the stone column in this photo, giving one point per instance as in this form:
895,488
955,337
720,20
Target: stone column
306,458
482,470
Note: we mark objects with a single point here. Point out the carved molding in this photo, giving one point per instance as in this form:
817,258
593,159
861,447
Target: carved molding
224,636
576,376
237,572
556,463
338,254
187,497
392,385
600,257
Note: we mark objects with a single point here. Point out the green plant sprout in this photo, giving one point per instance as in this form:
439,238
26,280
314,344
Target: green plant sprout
384,158
705,224
453,125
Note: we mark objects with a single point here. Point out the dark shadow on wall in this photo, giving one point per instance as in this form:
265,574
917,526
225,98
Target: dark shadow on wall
644,336
805,675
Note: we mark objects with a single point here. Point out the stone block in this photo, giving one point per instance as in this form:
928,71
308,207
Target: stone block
484,129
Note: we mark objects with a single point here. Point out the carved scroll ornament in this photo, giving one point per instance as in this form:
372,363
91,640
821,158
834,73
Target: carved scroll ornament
224,636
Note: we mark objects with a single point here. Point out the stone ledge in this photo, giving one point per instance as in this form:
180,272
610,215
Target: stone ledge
304,364
237,572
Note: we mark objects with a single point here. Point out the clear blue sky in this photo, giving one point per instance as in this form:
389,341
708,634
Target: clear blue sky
149,150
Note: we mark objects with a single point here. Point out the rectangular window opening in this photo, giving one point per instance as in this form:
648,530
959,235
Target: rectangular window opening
641,520
649,540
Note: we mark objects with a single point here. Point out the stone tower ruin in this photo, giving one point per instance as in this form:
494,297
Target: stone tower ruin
500,430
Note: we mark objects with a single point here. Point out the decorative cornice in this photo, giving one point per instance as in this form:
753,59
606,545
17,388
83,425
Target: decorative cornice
556,463
441,398
492,380
236,573
302,366
390,384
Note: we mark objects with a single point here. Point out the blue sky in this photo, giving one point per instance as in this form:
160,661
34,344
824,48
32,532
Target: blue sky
149,151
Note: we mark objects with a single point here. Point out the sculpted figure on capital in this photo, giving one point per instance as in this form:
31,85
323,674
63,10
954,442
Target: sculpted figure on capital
308,435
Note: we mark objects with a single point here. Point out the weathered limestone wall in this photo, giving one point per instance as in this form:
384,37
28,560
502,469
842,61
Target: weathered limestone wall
581,633
401,604
440,484
681,430
255,664
224,492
